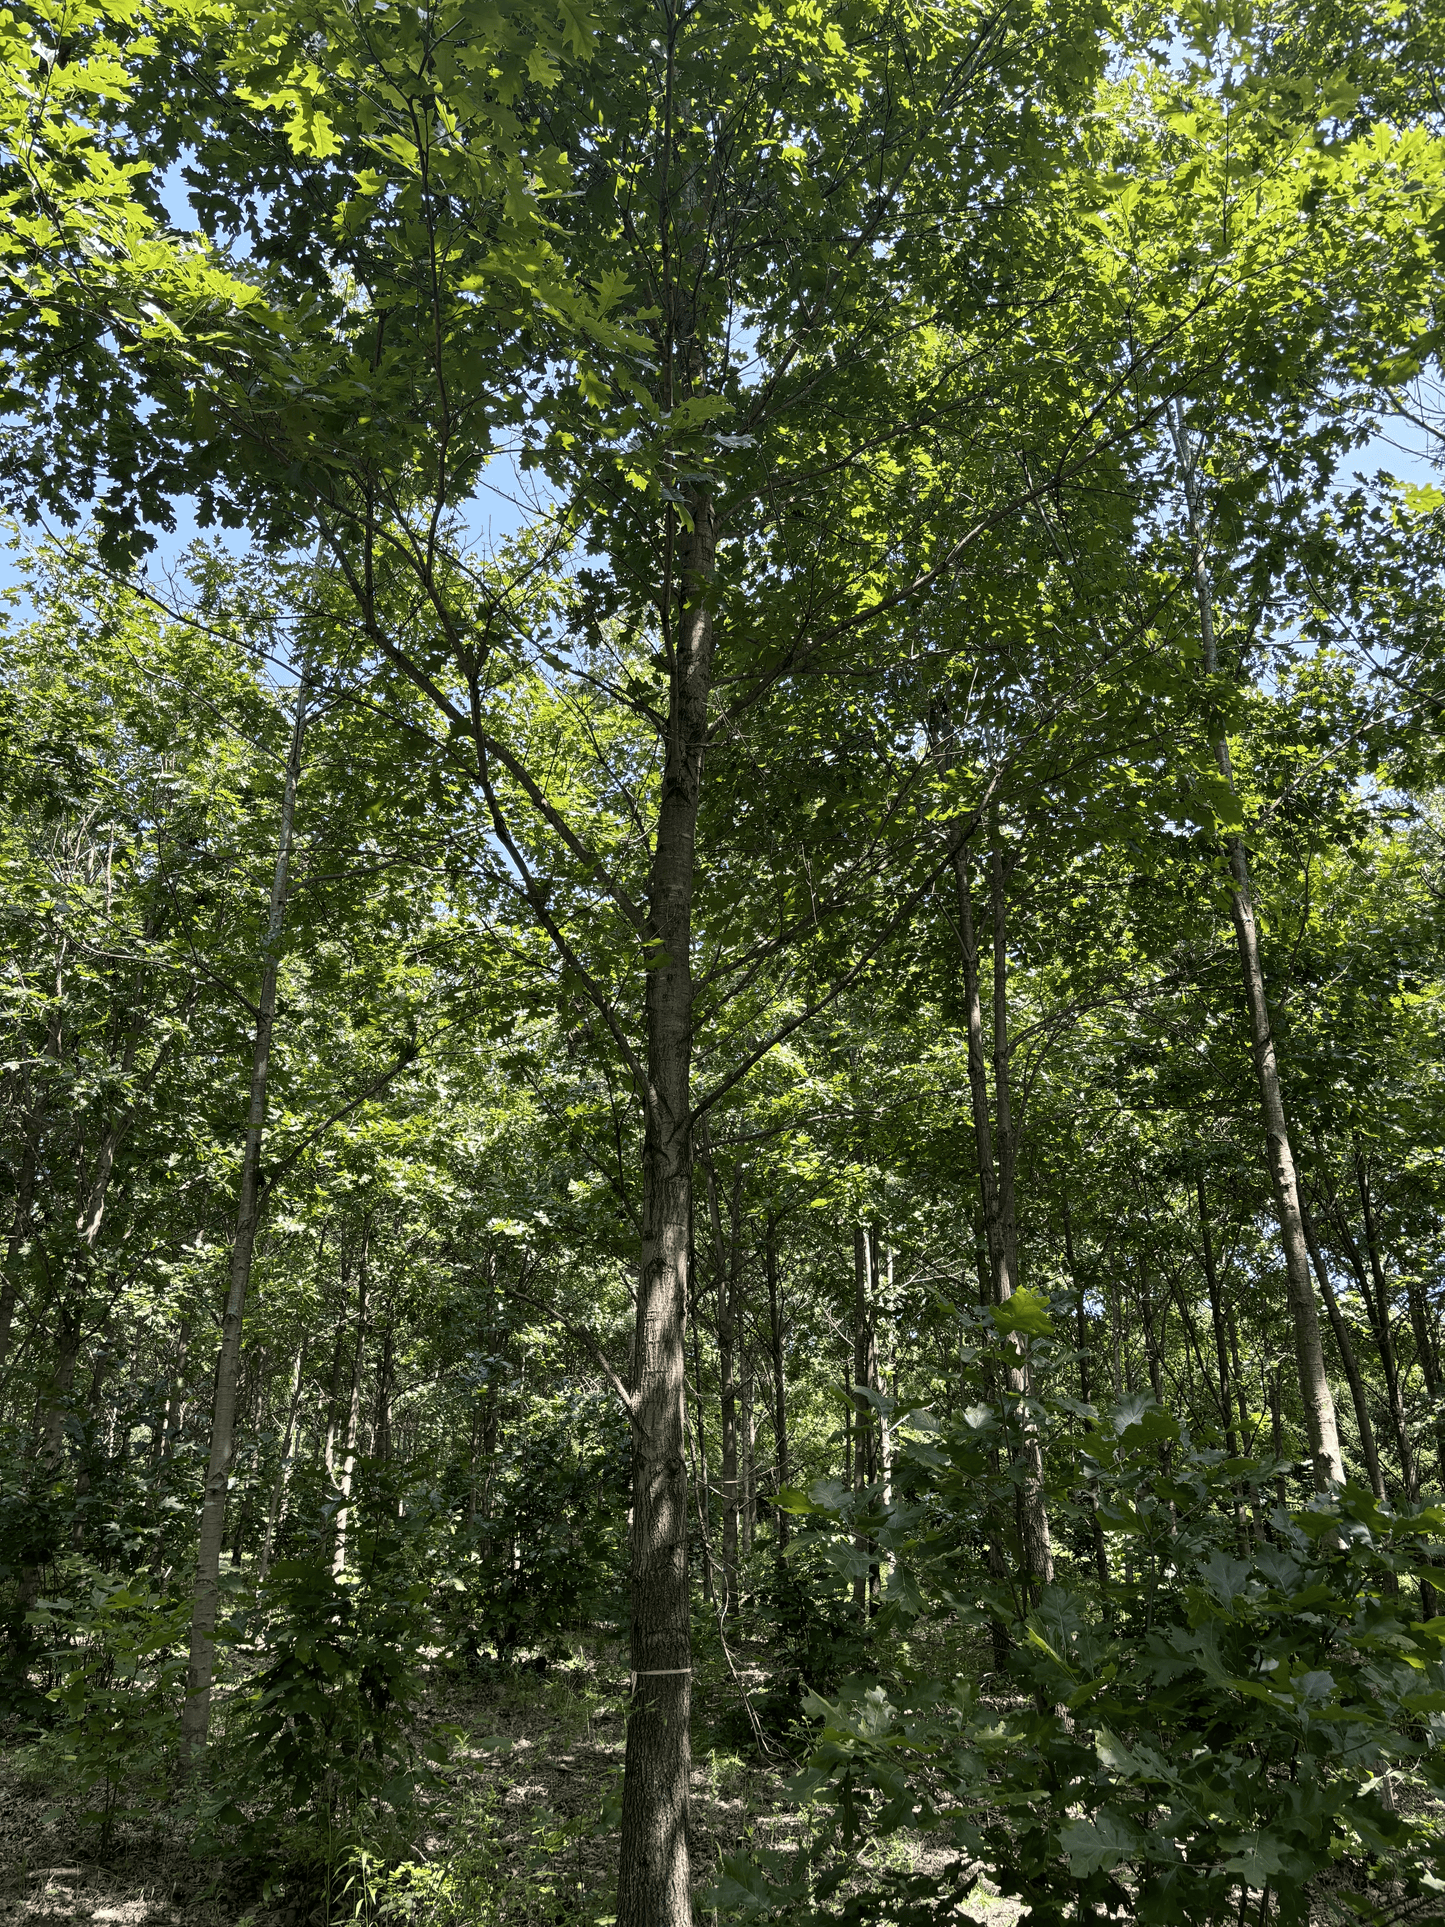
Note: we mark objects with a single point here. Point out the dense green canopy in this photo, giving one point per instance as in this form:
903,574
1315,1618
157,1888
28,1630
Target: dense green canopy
749,961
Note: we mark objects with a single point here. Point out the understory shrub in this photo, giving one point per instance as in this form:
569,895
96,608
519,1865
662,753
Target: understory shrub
1249,1730
116,1648
321,1751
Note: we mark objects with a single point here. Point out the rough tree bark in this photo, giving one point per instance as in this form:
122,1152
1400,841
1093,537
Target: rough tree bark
196,1714
653,1862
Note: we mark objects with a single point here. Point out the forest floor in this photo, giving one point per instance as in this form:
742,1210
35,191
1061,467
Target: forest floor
522,1833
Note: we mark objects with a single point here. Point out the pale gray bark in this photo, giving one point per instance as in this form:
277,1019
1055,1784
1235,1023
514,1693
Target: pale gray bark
747,1441
1033,1504
353,1419
780,1390
1001,1277
1081,1333
726,1270
333,1391
1228,1376
276,1511
1319,1404
1379,1317
1216,1312
1345,1345
996,1186
1419,1320
702,1487
381,1424
175,1416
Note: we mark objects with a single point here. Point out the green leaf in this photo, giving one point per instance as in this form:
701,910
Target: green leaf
1096,1845
1025,1312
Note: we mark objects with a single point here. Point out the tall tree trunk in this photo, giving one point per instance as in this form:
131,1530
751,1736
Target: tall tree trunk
70,1315
885,1361
1081,1313
1004,1143
653,1866
474,1445
1034,1516
959,857
862,1384
1081,1317
276,1511
195,1717
725,1254
175,1416
1216,1314
1351,1363
998,1208
1415,1303
747,1440
491,1422
1153,1353
1151,1342
56,1393
19,1227
1247,1432
847,1431
704,1489
1319,1404
1227,1375
25,1184
780,1389
1378,1313
92,1210
333,1392
1276,1432
353,1417
91,1450
381,1424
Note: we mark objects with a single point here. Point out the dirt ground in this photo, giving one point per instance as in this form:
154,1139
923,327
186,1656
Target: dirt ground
523,1832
